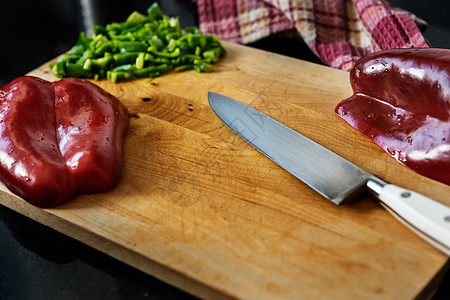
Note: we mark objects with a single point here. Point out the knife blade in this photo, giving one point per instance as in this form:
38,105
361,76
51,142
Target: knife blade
332,176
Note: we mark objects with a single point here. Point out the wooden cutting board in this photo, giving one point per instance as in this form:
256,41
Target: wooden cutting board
199,208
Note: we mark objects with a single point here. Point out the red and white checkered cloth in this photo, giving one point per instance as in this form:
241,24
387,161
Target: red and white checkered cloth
339,32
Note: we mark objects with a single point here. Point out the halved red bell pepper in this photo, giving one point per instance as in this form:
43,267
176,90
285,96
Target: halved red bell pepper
401,101
54,139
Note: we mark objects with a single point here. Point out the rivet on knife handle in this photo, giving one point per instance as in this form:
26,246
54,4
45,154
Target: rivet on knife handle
426,217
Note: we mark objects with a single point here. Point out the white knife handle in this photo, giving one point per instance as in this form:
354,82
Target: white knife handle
426,217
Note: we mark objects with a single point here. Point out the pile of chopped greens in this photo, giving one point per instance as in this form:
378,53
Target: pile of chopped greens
142,46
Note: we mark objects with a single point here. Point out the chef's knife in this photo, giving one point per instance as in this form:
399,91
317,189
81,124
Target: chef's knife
329,174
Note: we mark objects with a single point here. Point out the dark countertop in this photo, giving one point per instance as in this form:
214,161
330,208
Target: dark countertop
37,262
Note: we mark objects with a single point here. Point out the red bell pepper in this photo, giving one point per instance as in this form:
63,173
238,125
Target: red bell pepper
58,139
401,101
91,127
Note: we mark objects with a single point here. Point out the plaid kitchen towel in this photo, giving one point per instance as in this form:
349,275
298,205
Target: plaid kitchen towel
339,32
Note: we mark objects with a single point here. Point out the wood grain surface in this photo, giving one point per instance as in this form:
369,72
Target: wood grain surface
199,208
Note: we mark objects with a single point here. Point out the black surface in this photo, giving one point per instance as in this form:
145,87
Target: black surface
33,32
37,262
40,263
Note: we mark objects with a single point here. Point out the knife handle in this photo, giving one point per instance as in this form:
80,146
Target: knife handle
426,217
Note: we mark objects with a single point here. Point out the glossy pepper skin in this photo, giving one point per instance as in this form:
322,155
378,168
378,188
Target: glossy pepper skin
53,139
401,101
31,164
91,128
